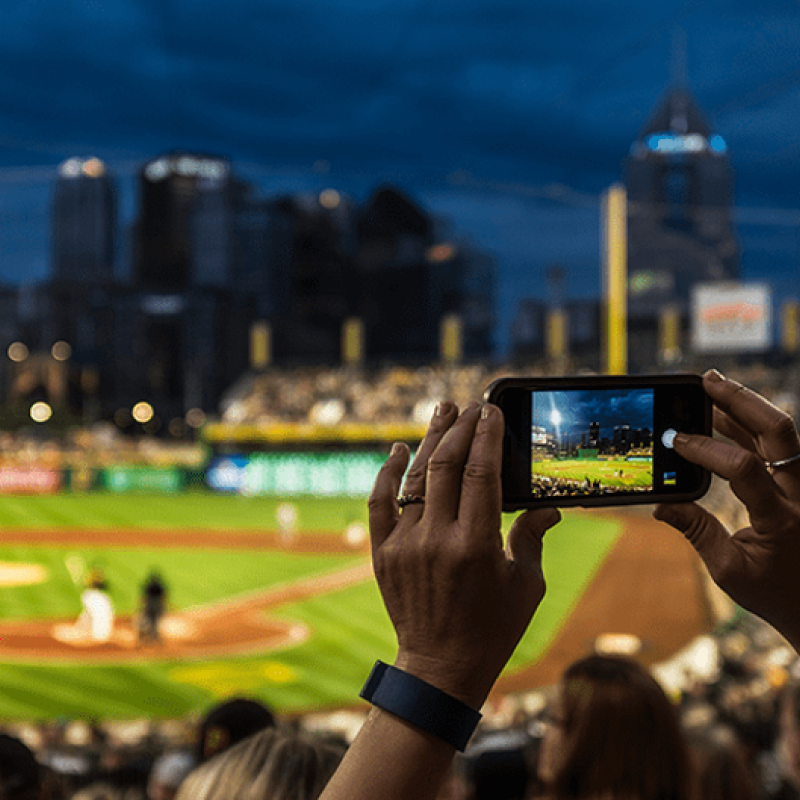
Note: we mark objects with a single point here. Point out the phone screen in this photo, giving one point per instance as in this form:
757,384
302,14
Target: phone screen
601,442
592,442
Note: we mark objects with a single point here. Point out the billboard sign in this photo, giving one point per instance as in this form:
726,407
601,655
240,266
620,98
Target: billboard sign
282,474
143,479
226,473
29,480
731,317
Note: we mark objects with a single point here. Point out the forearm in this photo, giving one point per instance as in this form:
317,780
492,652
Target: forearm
391,759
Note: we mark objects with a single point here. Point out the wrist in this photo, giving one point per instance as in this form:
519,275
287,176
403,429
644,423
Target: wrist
421,704
460,679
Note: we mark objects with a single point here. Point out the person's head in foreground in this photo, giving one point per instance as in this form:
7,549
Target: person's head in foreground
613,733
230,721
274,764
789,735
20,774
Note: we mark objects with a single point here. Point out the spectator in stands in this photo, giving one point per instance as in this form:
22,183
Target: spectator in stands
722,769
613,733
20,773
787,780
167,774
500,767
459,600
230,722
276,764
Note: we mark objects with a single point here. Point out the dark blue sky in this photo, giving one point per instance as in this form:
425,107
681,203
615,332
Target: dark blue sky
610,408
507,116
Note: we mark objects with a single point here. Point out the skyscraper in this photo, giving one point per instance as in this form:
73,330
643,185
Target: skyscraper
183,232
83,223
680,216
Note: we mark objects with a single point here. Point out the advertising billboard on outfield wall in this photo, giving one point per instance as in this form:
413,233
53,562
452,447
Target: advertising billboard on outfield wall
29,480
731,318
286,474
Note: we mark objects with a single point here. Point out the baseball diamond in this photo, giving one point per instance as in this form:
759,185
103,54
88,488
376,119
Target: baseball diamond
298,621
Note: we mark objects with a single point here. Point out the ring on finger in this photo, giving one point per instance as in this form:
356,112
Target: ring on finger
783,462
410,499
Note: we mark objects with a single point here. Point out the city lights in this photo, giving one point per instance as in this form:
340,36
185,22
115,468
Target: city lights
18,352
195,418
61,351
671,142
142,412
41,412
330,199
442,252
187,166
82,168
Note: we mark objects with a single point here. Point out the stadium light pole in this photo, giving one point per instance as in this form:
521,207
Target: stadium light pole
614,224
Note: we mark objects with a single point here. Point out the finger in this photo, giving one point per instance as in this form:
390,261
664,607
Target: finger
443,417
481,501
772,428
748,476
384,512
526,537
446,467
706,534
731,430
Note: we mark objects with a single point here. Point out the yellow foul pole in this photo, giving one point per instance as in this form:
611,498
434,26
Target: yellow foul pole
615,280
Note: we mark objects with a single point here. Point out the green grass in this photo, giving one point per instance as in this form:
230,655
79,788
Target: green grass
349,628
634,473
193,576
191,510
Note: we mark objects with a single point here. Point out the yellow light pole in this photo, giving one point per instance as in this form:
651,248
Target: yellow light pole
615,280
260,345
352,344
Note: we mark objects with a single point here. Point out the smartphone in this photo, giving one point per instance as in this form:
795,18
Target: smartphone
599,441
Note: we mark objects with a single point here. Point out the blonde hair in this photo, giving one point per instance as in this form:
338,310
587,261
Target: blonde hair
274,764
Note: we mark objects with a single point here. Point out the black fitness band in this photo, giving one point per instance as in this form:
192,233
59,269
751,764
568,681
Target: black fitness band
421,704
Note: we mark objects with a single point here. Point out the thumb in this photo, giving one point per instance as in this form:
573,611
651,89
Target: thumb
526,535
705,533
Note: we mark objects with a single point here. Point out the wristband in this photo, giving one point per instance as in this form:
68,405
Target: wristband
421,704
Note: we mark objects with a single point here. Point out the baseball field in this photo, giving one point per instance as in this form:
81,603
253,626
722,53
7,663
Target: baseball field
611,472
290,614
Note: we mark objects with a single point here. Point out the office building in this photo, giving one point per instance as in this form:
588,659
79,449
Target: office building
680,218
83,223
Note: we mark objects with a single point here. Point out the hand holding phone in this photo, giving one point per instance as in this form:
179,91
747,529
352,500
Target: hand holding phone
598,441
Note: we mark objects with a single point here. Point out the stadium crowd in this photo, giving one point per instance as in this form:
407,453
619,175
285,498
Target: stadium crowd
399,394
741,723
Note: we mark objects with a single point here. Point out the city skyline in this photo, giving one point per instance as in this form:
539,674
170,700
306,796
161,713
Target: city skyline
576,410
509,118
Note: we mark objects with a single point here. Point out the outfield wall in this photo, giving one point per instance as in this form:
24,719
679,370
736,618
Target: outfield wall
272,474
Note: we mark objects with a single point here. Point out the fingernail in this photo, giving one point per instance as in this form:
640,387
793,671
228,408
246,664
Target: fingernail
486,411
715,376
681,438
442,409
396,449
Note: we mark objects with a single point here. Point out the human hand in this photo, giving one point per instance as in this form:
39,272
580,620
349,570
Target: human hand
758,566
459,601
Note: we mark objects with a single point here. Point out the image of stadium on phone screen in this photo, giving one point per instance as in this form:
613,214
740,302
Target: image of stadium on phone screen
591,442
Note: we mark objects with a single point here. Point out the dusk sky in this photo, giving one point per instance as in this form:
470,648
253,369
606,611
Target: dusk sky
576,410
507,117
